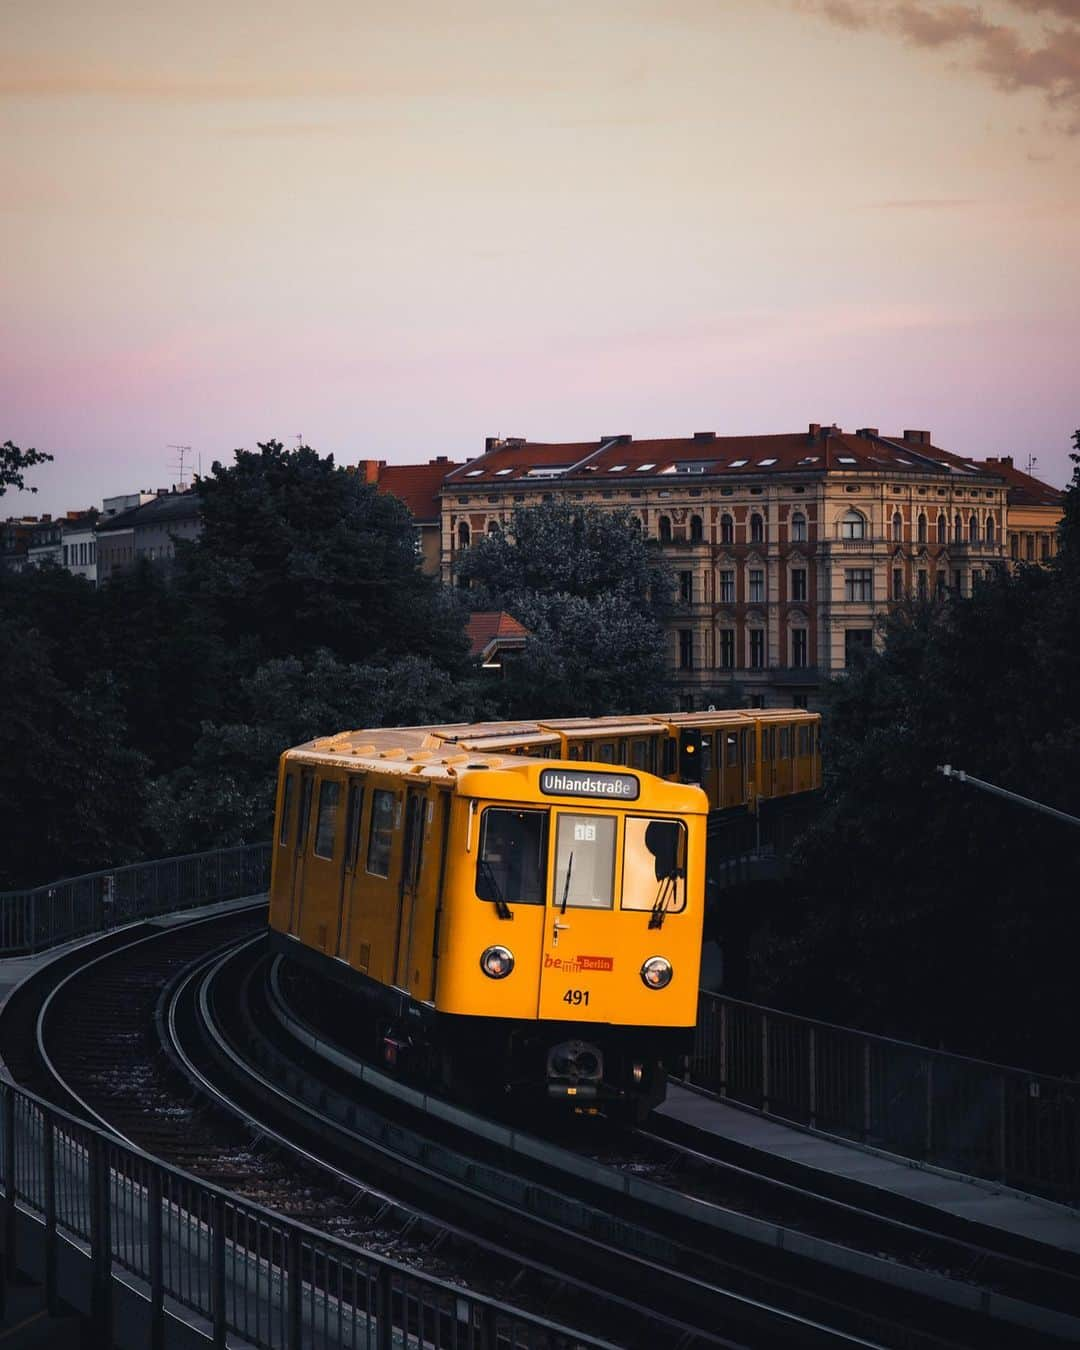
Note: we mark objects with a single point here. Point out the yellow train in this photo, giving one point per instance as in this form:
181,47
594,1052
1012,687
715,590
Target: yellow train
518,908
511,923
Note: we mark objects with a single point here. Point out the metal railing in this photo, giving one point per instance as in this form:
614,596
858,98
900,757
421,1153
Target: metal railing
74,1193
31,920
963,1114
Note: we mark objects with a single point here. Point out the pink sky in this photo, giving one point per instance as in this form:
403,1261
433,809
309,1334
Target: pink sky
398,226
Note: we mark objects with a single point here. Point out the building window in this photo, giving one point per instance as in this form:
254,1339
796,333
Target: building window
1029,543
727,648
686,649
463,535
858,583
686,587
858,642
942,530
757,648
973,530
800,700
922,528
727,587
798,527
757,700
853,525
957,581
697,531
939,584
798,648
757,529
727,530
798,583
989,529
1014,546
665,529
924,589
1044,542
757,586
976,579
897,527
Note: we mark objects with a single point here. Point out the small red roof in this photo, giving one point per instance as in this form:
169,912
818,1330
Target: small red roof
491,628
417,485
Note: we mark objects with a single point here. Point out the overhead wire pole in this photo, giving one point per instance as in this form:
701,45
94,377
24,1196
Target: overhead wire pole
962,776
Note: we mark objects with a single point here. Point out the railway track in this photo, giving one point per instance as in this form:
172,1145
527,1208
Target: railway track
309,1135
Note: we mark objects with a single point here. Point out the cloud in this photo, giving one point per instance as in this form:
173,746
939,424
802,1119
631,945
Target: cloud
1049,63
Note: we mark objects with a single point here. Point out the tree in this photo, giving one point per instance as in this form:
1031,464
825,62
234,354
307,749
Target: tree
14,463
297,554
917,902
592,592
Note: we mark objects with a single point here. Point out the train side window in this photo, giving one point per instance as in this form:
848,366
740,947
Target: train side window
638,754
706,753
381,835
654,864
607,752
305,815
670,752
512,864
804,740
732,748
286,807
326,827
585,861
785,743
352,824
414,837
573,752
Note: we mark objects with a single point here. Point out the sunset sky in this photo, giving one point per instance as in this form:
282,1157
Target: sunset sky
395,227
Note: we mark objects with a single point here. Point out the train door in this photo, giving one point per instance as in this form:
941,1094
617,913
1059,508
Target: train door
303,820
708,768
347,893
768,765
578,932
412,862
425,941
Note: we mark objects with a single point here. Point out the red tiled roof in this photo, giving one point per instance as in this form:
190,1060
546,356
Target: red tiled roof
417,485
489,626
1022,488
619,459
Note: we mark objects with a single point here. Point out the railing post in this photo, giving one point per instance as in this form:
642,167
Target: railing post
1003,1097
764,1062
9,1180
295,1286
811,1070
723,1048
48,1170
929,1106
157,1275
385,1303
100,1242
218,1274
866,1088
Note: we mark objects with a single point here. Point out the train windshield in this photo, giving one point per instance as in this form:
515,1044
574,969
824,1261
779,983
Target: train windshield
654,865
512,866
585,862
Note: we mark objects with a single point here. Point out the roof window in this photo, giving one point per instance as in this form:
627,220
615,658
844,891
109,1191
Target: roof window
644,468
738,463
846,459
617,468
764,463
809,459
501,473
695,466
474,473
547,471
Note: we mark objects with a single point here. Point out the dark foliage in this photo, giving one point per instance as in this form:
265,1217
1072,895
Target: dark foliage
14,463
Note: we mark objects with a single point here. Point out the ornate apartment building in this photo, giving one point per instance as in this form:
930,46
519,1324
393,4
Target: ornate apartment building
785,549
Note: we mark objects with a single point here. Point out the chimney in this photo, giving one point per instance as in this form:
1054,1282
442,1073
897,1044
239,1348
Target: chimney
368,469
622,439
491,443
1007,460
868,432
826,432
440,459
815,430
917,437
704,435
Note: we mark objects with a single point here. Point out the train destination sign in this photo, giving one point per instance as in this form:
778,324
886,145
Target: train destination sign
621,787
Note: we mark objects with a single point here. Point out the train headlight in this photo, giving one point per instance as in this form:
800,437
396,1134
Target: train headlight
497,962
656,973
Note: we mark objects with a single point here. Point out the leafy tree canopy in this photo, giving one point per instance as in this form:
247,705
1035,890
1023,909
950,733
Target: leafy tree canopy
14,463
592,592
297,554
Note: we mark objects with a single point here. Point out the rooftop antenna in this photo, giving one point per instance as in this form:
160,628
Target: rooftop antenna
1032,460
299,439
182,451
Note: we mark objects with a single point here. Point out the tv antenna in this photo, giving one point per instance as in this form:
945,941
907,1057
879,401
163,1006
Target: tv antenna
1032,460
299,439
182,451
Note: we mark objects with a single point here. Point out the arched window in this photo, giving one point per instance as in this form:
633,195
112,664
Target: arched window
665,529
697,530
989,529
798,527
757,529
942,530
922,527
957,529
727,529
463,535
973,530
853,525
493,527
897,527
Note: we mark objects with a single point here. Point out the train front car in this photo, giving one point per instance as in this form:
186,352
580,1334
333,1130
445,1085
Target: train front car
570,951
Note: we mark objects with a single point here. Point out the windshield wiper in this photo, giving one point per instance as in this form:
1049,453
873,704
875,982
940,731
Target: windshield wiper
502,909
566,888
668,887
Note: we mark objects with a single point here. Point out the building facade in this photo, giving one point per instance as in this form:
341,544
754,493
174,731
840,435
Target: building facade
785,548
148,531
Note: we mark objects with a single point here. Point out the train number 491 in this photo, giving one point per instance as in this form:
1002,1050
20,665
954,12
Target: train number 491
577,997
